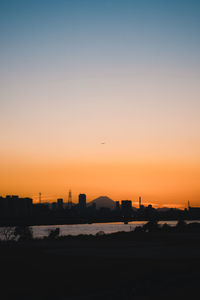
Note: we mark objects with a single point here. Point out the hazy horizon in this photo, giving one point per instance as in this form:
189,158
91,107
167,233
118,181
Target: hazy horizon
44,199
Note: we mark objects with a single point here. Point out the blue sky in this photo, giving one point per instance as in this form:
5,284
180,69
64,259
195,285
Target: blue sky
169,29
75,73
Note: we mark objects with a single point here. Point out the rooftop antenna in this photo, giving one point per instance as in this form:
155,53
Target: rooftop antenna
40,198
70,199
140,201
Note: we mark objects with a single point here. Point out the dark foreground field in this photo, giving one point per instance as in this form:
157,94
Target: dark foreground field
121,266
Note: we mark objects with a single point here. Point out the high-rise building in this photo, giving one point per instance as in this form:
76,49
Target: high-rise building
14,206
117,205
70,199
60,203
126,204
82,201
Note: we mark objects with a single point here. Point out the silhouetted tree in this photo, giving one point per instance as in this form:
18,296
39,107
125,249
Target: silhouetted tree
100,233
139,229
54,233
166,228
7,234
23,233
193,227
181,225
151,226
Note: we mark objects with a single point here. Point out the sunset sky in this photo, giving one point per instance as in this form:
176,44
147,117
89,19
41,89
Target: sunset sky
78,73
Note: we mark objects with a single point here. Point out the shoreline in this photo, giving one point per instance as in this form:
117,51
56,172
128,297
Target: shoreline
88,222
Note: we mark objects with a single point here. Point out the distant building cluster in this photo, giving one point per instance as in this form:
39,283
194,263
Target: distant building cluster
14,209
194,211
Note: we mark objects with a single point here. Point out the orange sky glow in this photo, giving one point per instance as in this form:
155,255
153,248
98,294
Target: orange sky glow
102,100
159,183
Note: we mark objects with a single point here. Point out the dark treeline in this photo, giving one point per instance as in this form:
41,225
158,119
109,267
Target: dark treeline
152,262
25,233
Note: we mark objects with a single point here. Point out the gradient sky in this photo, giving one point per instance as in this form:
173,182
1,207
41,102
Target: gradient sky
76,73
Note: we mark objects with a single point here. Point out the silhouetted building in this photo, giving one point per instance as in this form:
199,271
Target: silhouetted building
69,206
117,205
126,208
126,204
104,211
42,209
194,212
82,201
60,203
13,206
142,207
54,206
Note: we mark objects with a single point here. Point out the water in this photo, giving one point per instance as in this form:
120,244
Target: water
76,229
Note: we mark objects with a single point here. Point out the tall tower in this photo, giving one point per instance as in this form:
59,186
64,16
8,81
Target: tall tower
188,205
140,202
70,199
40,198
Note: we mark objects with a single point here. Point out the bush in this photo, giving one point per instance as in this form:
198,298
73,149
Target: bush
166,228
23,233
151,226
54,233
181,225
139,229
7,234
100,233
